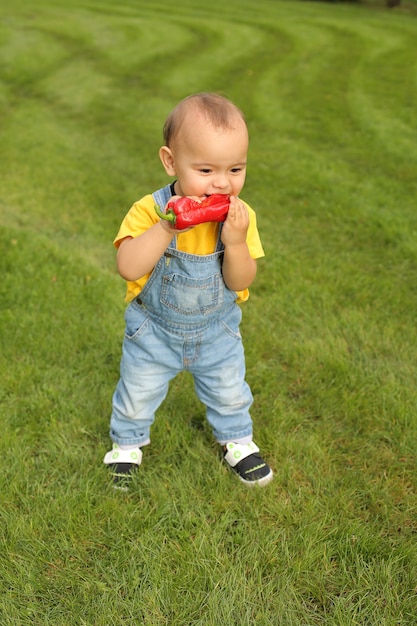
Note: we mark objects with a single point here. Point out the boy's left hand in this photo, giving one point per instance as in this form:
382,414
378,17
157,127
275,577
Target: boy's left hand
236,224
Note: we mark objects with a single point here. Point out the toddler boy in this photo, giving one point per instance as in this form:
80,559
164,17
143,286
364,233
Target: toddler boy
184,287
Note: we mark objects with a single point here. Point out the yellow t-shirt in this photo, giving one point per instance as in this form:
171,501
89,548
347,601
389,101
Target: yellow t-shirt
201,239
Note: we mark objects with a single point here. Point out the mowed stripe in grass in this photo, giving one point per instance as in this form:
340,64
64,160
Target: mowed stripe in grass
329,330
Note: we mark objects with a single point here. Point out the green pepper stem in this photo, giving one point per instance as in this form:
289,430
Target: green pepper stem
169,216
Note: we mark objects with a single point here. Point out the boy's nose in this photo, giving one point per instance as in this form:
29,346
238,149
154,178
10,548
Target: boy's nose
221,183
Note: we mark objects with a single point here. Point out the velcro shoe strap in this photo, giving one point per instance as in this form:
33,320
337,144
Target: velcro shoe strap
117,455
238,451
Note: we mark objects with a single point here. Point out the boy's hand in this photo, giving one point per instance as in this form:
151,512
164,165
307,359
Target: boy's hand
236,225
239,268
169,227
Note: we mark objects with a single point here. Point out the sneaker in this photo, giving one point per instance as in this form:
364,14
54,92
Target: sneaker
123,464
246,461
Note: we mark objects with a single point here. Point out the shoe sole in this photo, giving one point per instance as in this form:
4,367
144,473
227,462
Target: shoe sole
261,482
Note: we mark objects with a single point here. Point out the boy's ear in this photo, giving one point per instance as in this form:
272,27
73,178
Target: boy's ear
167,159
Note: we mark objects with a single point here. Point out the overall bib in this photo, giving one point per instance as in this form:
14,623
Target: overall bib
185,318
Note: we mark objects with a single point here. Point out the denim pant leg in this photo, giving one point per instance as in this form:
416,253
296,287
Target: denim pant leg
219,378
148,364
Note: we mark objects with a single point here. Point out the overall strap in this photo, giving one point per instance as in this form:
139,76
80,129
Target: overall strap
161,197
220,245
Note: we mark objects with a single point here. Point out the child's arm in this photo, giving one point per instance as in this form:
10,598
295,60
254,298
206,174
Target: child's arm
239,268
137,256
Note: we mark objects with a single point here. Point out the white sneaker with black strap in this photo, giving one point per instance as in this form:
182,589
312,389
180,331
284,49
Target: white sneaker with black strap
123,464
246,461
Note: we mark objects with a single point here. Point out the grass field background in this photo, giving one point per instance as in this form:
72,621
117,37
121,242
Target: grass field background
329,92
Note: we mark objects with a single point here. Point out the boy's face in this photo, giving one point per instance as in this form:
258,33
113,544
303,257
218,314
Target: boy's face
206,159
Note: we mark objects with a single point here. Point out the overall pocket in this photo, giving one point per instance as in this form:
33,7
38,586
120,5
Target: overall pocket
136,320
192,296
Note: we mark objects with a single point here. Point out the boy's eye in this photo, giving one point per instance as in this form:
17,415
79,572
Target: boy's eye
205,171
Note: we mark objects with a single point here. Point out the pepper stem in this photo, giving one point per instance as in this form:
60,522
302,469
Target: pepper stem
169,216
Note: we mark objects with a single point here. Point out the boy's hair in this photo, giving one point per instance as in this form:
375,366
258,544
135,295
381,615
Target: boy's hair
220,111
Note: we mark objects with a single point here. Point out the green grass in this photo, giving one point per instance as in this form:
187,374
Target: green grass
330,332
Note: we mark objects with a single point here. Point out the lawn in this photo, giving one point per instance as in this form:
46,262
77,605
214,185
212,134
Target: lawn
329,92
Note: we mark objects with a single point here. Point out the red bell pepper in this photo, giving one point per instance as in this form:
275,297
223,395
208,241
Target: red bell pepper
185,212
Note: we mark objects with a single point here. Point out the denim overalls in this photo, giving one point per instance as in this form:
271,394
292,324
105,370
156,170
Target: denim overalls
185,318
